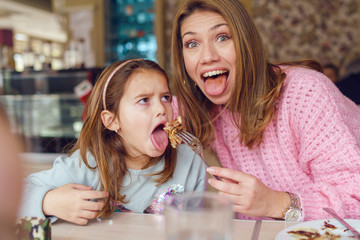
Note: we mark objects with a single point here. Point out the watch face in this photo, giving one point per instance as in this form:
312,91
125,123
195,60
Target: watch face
293,215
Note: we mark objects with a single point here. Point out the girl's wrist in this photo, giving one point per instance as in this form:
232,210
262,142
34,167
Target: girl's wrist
46,209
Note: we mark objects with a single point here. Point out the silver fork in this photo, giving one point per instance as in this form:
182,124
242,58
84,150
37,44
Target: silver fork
190,140
337,217
194,143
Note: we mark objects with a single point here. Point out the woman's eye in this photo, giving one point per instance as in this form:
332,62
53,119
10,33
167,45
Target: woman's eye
223,37
166,98
144,101
190,44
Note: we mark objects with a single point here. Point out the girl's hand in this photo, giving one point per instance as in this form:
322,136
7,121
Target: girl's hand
248,194
71,202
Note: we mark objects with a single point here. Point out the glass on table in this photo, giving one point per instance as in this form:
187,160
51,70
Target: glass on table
198,216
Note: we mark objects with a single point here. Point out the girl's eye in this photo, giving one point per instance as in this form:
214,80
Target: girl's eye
190,44
223,37
144,101
166,98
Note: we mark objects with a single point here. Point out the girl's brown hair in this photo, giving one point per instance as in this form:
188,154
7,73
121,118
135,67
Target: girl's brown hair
258,82
106,146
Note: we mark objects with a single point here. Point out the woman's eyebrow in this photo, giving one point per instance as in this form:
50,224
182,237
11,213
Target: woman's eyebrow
188,33
211,29
218,25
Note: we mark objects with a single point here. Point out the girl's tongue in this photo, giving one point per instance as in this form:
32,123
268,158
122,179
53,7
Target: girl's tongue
159,138
215,86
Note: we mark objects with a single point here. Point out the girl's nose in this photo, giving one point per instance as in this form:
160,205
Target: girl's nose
160,109
209,54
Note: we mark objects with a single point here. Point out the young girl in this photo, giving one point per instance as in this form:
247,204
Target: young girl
122,160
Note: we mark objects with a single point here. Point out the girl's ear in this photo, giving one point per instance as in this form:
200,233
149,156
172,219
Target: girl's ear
109,120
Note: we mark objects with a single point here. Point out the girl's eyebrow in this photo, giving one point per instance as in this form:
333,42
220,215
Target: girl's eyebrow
211,29
141,95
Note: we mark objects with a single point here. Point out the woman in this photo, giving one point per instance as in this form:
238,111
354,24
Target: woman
287,138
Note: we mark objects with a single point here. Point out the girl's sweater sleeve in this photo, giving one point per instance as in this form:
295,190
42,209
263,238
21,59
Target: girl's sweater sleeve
326,126
65,170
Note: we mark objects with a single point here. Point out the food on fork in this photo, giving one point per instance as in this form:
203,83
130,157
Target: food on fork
177,135
172,128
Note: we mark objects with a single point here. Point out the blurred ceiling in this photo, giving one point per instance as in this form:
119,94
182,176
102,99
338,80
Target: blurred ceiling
41,4
34,18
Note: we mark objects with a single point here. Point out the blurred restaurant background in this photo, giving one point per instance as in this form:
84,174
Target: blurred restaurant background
51,51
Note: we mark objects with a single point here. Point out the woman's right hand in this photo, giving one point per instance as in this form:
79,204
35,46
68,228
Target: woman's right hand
71,202
248,194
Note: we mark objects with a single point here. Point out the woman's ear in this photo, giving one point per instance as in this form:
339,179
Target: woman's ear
109,120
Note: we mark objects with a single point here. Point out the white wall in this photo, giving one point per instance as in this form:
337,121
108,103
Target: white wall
32,21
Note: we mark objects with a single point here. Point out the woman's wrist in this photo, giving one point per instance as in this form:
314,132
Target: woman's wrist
282,202
293,213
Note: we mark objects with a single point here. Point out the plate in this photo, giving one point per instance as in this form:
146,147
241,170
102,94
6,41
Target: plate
320,226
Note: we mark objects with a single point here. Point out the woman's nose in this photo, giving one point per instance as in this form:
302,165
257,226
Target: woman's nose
209,53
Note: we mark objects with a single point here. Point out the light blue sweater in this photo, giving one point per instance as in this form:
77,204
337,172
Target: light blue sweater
140,189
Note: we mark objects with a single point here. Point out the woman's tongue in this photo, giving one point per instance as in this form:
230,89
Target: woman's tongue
159,139
215,86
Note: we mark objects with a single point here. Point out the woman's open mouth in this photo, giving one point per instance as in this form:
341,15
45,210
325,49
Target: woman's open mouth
215,82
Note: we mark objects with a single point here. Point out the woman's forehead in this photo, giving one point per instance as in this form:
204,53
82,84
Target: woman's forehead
197,20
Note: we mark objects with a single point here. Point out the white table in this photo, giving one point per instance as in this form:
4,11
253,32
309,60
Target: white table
131,226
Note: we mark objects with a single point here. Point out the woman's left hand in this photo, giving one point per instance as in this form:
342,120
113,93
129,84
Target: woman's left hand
248,194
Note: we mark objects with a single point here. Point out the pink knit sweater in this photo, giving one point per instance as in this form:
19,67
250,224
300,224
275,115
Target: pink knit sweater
311,148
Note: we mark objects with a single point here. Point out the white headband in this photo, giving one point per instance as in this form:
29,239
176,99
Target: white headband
110,76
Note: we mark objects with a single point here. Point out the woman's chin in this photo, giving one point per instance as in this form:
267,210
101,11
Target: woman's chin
219,99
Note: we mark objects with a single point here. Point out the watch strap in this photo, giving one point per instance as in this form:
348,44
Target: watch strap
295,203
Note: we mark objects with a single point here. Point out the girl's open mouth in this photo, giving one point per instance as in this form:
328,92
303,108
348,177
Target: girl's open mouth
159,137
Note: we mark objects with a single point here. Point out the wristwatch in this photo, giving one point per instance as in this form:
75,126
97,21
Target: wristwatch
293,213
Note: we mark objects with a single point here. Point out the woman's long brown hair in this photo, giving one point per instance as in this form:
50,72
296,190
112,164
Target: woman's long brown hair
258,82
106,146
